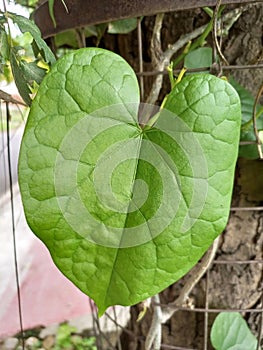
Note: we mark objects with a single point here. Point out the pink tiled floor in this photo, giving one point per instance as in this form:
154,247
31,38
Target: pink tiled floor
47,296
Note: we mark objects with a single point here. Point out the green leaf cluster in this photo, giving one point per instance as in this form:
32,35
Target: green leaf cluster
26,73
66,338
70,38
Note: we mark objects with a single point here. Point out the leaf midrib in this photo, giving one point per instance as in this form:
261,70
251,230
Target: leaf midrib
127,214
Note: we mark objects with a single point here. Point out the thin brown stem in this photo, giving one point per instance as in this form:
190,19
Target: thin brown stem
201,69
157,59
165,60
141,78
214,33
153,339
156,45
161,316
199,271
9,99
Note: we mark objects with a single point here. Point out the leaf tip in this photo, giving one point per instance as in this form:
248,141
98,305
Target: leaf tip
101,310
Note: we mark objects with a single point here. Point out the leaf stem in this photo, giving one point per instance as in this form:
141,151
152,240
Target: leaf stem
198,43
208,11
247,124
214,33
171,75
6,14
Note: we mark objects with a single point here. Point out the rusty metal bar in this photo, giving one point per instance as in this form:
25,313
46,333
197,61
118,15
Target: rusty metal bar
210,311
237,262
89,12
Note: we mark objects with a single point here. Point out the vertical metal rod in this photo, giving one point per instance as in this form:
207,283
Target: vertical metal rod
141,77
260,331
102,337
13,226
206,313
119,347
95,325
3,149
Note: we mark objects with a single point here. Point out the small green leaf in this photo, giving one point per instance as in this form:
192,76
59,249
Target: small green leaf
4,45
32,72
63,337
100,31
122,26
27,25
20,80
230,332
199,58
126,211
67,38
247,131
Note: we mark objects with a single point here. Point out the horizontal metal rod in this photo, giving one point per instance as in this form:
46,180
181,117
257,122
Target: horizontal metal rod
246,208
201,69
172,347
203,310
81,13
237,262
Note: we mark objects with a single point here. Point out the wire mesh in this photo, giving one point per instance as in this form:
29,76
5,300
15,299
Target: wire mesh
206,310
103,340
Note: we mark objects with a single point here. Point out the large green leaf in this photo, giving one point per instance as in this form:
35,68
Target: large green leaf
230,332
126,211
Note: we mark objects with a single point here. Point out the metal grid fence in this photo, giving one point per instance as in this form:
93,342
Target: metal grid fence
103,339
206,310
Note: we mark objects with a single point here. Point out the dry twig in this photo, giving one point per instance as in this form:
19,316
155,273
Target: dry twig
154,335
161,316
9,99
162,59
165,57
197,274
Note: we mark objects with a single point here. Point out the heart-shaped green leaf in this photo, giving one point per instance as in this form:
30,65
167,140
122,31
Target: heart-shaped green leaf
230,332
126,211
199,58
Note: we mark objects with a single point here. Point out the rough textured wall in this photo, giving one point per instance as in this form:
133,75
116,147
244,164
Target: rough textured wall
230,286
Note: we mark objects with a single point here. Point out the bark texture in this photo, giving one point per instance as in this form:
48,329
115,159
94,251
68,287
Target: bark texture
227,285
237,286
